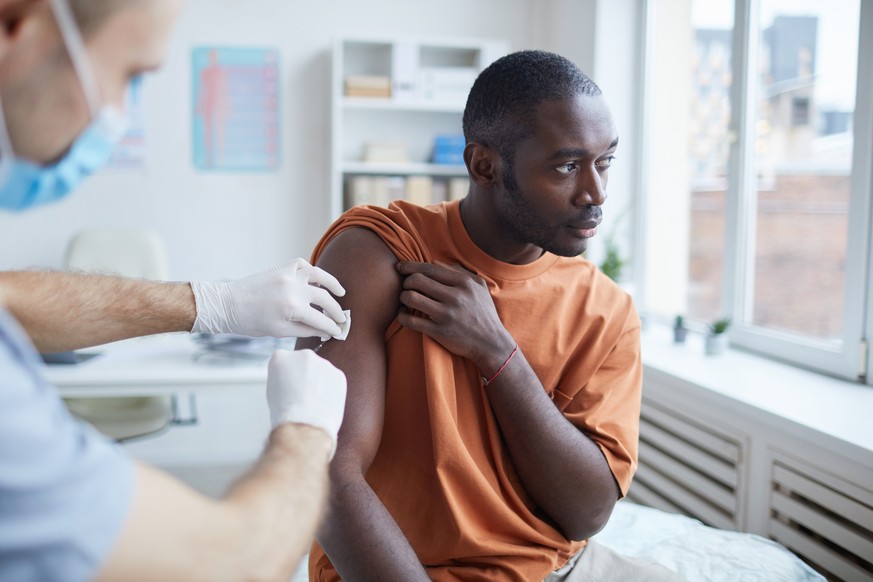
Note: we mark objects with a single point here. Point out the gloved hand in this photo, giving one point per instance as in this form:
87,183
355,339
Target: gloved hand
306,389
280,302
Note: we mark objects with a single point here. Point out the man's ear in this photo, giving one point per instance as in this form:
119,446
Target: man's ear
15,15
483,164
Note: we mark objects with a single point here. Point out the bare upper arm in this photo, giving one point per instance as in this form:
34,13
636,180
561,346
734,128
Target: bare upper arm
364,265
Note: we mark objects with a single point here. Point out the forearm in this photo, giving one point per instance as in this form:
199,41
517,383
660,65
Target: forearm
282,501
362,539
562,469
258,531
64,311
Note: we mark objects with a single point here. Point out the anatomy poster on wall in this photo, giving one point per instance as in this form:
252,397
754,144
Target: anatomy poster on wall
235,108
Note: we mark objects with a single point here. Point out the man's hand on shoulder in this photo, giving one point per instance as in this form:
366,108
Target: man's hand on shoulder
455,308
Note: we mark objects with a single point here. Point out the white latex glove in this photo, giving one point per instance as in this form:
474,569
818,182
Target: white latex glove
280,302
306,389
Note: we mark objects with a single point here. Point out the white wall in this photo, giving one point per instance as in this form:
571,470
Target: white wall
567,27
224,224
219,225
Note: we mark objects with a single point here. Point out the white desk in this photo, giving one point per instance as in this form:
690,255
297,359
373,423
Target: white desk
232,419
164,364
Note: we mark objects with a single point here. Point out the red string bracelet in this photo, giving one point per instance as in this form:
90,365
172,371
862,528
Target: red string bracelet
486,381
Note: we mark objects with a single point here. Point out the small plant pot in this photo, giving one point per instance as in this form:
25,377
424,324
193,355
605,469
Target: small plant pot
716,344
679,334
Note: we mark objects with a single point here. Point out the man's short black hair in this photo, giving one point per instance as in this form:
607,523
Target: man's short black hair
502,104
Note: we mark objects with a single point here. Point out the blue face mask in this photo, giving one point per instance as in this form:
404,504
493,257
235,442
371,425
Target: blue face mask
28,184
25,184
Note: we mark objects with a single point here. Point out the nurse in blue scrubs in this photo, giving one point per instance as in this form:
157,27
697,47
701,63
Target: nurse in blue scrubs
72,505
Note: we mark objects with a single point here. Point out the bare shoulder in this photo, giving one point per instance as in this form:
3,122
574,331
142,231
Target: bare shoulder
365,267
355,247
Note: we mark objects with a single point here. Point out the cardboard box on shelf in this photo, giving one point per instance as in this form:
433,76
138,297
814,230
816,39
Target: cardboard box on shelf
385,152
458,188
358,190
367,86
419,190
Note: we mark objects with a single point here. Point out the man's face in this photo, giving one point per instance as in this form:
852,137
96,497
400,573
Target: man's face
43,100
555,185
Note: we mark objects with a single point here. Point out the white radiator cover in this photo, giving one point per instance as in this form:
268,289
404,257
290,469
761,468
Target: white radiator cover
822,518
689,468
738,467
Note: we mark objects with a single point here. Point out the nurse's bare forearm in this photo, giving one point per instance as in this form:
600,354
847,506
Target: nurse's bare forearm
259,531
65,311
562,469
282,500
362,539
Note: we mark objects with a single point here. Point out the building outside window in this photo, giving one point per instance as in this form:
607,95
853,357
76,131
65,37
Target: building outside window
756,206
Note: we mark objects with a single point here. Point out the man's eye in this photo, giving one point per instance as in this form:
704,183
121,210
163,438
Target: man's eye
605,162
567,168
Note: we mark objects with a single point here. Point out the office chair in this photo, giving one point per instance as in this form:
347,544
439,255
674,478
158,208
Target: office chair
130,253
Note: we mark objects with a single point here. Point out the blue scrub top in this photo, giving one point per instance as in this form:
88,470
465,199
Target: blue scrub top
65,490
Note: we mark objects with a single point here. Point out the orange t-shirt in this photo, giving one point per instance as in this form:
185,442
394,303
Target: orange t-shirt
442,469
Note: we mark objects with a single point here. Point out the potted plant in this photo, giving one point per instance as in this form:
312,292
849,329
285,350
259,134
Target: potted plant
716,339
612,264
679,330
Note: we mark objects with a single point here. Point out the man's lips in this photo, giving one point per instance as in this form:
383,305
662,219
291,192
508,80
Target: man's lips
585,229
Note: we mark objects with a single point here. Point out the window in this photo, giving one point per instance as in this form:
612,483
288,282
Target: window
758,183
799,111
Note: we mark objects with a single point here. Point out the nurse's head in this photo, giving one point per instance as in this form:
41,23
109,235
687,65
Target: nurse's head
65,66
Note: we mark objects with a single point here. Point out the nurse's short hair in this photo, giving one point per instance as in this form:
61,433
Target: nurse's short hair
501,107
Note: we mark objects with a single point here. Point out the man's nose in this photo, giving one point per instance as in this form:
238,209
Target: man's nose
590,188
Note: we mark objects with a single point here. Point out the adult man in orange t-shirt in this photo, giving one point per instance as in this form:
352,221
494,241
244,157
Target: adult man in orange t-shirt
494,375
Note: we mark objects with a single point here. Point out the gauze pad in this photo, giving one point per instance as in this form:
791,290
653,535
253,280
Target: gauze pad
345,326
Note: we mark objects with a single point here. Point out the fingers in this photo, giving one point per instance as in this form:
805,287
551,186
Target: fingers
445,274
313,275
436,280
315,323
427,286
415,323
418,302
327,303
326,280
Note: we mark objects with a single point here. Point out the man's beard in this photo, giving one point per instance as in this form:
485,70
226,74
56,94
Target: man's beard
520,220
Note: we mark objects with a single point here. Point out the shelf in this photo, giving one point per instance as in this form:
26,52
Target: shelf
429,83
391,105
406,169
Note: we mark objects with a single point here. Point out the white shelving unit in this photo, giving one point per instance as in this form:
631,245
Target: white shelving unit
403,169
429,82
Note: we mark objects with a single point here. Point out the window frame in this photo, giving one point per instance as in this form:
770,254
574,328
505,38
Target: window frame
850,359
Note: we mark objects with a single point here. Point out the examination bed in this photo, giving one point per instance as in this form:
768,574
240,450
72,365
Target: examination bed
700,553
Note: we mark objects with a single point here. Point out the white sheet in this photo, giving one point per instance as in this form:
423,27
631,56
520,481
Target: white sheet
700,553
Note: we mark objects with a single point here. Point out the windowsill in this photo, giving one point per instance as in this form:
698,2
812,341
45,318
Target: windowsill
836,408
